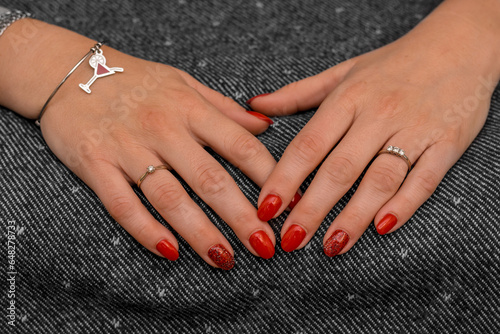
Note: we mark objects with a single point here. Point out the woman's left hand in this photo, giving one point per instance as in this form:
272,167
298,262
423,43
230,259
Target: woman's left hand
427,93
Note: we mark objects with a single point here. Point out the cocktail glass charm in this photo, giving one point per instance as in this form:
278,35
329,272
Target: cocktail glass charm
98,63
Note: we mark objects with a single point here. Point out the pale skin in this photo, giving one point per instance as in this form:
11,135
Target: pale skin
151,114
428,92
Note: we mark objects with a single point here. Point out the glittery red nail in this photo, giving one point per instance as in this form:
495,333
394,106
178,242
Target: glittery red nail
386,224
253,98
222,258
167,249
293,238
294,201
335,243
268,208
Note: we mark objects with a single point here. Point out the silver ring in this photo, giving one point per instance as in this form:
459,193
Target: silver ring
150,170
399,152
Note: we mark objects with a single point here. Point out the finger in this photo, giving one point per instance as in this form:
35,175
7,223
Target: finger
254,122
170,199
218,189
420,184
126,208
334,178
301,95
304,153
380,183
237,146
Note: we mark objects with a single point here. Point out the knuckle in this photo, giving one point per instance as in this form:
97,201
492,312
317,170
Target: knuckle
245,147
309,146
152,120
312,213
211,180
121,207
389,105
354,220
385,180
142,232
427,180
340,171
167,198
241,217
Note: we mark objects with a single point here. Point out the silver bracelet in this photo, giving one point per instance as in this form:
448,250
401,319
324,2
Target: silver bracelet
9,17
97,62
93,50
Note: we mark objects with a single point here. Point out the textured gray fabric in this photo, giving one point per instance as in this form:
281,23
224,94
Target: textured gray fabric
80,272
8,17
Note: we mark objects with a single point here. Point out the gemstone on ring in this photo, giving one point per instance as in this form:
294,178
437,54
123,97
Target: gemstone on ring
150,170
394,150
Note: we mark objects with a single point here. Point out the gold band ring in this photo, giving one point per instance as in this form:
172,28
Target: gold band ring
150,170
397,152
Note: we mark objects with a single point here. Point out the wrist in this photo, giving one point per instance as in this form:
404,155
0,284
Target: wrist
467,30
34,58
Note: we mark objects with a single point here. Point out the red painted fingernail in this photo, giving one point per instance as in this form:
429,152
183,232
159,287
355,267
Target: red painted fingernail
167,249
221,256
260,116
294,201
293,238
386,223
256,96
269,207
262,244
335,243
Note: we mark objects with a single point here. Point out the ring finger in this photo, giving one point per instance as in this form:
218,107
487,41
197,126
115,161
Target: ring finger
381,181
170,199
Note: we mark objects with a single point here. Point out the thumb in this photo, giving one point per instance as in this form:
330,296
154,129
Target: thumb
303,94
253,121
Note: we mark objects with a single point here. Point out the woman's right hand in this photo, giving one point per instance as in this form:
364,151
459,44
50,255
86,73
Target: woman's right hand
151,114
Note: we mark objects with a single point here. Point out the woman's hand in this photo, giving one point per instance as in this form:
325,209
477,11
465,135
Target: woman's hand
151,114
427,93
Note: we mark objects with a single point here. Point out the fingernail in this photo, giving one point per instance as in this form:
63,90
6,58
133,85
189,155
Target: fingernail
293,238
167,249
262,244
269,207
221,256
260,116
294,201
253,98
335,243
386,223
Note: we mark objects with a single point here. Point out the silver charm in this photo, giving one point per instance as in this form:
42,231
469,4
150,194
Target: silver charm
98,63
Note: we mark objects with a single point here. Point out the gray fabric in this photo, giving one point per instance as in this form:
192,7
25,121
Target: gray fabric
80,272
8,17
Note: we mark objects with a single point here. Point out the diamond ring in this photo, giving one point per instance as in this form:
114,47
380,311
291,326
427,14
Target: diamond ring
399,152
150,170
